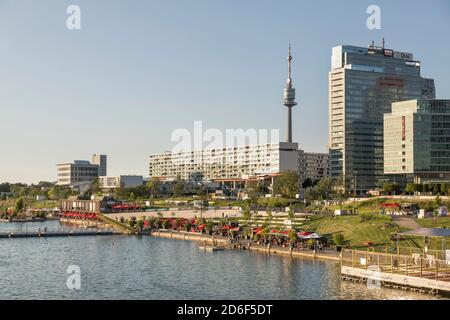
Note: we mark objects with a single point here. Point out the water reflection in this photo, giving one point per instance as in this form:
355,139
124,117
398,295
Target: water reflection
124,267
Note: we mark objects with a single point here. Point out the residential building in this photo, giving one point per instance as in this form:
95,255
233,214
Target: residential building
363,84
417,141
313,165
124,181
229,163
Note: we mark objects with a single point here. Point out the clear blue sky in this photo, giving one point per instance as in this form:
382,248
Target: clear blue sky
137,70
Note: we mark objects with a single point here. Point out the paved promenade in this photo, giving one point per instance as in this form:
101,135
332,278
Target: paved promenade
329,254
187,213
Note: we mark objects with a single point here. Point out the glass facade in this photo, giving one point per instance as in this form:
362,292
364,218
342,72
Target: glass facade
363,83
432,129
417,140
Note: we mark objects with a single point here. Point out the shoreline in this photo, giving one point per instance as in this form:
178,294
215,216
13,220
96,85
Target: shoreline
215,240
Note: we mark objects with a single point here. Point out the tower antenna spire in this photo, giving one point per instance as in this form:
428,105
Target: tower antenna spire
289,66
289,96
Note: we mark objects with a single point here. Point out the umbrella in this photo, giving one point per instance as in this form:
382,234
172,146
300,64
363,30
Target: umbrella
313,236
304,233
257,230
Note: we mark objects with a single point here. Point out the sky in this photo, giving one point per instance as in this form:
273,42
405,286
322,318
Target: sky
138,70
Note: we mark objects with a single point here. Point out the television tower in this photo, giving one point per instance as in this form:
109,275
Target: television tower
289,97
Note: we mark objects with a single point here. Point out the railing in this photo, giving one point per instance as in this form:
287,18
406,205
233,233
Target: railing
409,251
415,265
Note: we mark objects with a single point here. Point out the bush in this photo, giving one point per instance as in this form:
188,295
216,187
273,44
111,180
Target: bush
364,216
339,239
166,224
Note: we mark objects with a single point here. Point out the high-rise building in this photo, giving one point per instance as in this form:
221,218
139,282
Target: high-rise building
313,165
101,161
417,141
363,84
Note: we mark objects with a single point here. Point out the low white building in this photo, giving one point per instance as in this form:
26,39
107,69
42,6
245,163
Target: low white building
125,181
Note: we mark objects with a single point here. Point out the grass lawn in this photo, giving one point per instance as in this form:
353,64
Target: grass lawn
377,230
440,222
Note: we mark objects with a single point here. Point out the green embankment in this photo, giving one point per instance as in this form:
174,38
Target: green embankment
438,222
377,230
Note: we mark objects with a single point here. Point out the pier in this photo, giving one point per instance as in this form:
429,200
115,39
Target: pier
417,272
52,234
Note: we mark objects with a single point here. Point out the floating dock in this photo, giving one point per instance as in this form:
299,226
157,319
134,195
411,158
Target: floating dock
52,234
423,273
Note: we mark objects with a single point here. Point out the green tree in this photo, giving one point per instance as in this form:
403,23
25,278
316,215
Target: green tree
178,189
166,224
437,202
307,183
140,224
287,184
325,187
311,194
293,236
410,188
153,186
291,213
269,213
391,188
445,188
20,205
95,186
246,212
209,226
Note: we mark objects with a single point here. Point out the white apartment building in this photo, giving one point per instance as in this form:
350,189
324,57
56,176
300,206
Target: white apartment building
313,165
80,172
125,181
237,162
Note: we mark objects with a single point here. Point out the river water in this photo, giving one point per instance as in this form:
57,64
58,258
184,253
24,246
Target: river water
142,267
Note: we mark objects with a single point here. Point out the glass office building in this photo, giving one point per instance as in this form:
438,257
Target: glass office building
417,141
363,84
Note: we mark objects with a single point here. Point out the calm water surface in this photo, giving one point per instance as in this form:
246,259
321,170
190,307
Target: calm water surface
133,267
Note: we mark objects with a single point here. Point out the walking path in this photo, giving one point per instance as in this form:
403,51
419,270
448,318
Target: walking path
246,244
406,222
